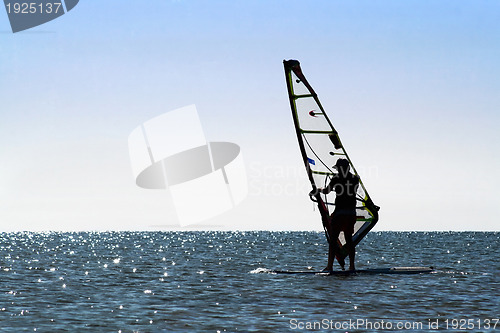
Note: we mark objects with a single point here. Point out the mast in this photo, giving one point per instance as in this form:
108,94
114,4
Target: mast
289,64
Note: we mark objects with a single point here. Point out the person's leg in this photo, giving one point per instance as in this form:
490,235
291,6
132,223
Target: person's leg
333,233
349,243
350,248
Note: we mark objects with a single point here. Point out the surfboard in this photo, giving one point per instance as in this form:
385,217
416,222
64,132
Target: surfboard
391,270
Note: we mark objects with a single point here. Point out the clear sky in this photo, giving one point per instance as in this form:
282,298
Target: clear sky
411,86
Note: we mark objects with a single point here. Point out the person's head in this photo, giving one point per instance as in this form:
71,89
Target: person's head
342,166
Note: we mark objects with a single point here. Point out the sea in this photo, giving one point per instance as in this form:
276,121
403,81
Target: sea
222,282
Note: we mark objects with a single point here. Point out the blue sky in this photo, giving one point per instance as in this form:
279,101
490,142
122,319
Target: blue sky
412,87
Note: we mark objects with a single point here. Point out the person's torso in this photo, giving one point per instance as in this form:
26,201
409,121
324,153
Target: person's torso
345,189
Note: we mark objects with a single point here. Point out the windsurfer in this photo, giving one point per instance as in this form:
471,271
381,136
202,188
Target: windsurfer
343,218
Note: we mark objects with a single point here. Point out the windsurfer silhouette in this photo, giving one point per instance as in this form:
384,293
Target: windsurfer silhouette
343,218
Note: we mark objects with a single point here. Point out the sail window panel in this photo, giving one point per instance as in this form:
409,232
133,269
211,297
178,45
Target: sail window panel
363,215
299,88
325,156
310,116
357,226
320,180
362,211
319,158
361,194
321,150
321,142
317,166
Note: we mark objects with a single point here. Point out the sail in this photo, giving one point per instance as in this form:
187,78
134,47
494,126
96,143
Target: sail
321,147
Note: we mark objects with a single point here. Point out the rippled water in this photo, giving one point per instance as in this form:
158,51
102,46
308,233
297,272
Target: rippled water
209,281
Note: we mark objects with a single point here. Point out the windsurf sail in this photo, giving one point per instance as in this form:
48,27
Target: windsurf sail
321,147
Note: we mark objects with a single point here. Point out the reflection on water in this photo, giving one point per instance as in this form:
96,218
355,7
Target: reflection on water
203,281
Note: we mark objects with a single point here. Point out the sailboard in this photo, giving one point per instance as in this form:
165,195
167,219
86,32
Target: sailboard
321,147
392,270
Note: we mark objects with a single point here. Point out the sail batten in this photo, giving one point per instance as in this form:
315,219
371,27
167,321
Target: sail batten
303,96
321,147
316,132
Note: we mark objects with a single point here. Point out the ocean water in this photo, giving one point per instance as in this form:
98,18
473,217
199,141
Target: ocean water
219,282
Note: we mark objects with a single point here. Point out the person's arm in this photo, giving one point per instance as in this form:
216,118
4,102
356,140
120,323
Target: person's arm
325,190
316,190
330,186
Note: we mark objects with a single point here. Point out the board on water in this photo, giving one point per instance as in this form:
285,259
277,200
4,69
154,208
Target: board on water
392,270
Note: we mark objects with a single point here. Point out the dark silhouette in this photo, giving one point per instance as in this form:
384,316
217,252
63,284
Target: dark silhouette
343,218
